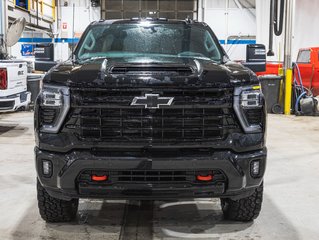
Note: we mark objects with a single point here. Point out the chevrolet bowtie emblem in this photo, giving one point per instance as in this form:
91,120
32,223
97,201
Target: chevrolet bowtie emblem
152,101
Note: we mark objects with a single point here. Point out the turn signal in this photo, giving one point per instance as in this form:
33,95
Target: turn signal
99,178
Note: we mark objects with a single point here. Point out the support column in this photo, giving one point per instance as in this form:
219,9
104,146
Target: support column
2,20
287,57
3,49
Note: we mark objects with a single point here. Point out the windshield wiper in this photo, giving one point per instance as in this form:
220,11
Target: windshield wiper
91,59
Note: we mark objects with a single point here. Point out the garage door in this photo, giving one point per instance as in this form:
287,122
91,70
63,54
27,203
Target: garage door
171,9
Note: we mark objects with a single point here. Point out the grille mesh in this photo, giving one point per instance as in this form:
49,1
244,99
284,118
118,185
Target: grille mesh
143,123
149,176
7,105
254,116
48,115
195,115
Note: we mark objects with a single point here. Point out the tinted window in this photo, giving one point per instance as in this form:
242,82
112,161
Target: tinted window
304,56
147,39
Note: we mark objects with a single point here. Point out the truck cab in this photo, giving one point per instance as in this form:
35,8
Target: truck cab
308,64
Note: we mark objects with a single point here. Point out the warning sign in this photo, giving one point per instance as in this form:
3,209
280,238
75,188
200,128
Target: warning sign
64,26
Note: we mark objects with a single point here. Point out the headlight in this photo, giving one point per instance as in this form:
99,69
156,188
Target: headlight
250,99
249,108
54,104
52,98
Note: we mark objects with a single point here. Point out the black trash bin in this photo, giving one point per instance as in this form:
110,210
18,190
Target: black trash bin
270,85
34,83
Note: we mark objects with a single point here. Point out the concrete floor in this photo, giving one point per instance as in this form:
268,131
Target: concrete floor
290,208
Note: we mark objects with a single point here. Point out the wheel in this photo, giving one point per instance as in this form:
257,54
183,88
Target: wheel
53,209
244,209
277,109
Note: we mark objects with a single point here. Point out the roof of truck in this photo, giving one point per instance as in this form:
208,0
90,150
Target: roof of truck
151,20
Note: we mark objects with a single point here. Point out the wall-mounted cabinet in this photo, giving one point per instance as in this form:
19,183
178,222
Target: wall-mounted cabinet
45,8
38,13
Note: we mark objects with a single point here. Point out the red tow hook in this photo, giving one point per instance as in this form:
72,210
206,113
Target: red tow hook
205,178
99,178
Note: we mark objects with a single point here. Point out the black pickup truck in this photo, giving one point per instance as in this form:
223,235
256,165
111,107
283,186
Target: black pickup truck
150,109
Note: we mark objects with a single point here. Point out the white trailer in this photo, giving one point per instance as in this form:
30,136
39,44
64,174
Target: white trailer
13,86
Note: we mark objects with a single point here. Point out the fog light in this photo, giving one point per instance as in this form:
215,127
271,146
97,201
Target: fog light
255,168
46,168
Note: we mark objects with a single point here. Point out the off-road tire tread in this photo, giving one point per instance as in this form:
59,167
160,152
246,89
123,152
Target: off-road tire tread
245,209
53,209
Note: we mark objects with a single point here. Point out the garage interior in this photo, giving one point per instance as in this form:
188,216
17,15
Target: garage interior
46,33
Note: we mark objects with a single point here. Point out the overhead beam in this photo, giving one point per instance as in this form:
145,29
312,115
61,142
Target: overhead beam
250,6
238,4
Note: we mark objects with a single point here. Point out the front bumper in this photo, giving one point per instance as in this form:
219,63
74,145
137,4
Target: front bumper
63,183
14,102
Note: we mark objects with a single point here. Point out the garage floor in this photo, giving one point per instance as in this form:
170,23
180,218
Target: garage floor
290,209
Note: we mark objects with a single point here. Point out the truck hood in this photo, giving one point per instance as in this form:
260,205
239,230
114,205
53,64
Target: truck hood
145,71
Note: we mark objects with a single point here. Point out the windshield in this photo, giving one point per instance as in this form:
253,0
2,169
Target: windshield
148,40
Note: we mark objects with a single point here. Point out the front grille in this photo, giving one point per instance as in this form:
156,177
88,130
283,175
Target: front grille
143,123
148,176
195,115
152,176
254,116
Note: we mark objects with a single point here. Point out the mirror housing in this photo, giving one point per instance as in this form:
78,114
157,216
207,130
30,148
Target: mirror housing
256,57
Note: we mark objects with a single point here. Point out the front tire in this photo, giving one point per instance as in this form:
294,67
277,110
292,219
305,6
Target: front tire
53,209
245,209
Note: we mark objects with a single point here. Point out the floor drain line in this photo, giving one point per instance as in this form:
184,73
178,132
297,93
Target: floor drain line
137,223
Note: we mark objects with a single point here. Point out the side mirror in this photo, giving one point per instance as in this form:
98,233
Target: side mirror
256,57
